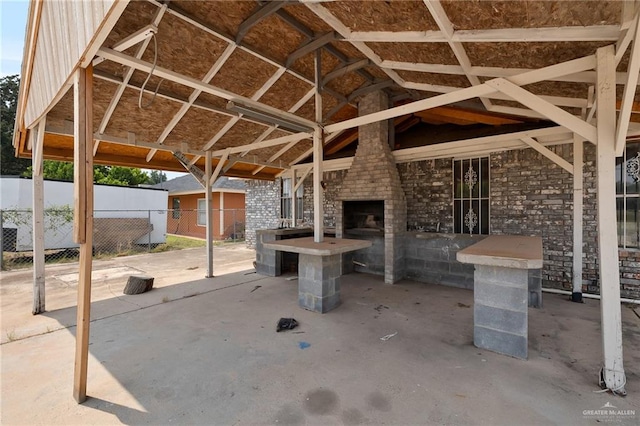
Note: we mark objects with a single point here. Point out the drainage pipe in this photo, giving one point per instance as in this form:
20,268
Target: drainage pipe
588,295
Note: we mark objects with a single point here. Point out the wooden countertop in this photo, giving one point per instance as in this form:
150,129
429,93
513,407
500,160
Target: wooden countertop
328,247
508,251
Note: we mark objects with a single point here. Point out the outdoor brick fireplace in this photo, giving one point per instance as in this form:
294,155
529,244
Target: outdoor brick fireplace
372,204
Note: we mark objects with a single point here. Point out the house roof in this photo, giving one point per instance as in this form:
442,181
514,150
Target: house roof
208,57
188,183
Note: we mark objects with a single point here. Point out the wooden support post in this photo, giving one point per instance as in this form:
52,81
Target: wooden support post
293,197
209,213
83,219
221,213
578,163
613,370
318,136
38,219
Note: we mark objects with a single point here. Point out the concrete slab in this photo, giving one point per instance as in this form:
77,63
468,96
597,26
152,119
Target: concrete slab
109,278
215,358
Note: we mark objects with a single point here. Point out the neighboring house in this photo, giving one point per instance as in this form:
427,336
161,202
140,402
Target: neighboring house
186,204
120,212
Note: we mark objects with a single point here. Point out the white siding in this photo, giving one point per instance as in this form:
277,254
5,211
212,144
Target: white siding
66,30
109,201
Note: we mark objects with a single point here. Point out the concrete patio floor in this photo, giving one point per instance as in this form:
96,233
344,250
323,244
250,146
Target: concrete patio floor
205,351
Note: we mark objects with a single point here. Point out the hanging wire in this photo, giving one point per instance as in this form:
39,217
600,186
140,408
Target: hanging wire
155,62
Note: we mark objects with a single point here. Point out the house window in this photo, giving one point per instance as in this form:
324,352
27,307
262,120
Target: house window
176,208
286,200
202,212
471,195
628,197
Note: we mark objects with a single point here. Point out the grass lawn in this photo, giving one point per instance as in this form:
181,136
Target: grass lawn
175,242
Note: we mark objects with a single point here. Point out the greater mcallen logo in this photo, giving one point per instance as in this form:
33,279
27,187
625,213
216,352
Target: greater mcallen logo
611,412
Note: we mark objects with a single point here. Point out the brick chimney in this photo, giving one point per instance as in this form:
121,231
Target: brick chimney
373,176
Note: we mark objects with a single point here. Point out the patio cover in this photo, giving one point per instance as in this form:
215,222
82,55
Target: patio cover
254,88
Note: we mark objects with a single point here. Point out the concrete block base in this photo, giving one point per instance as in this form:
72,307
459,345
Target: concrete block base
319,282
500,321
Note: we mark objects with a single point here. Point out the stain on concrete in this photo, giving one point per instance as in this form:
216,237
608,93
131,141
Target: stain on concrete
164,394
320,402
353,416
378,401
289,414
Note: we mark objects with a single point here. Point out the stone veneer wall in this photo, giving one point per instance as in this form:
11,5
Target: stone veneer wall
262,207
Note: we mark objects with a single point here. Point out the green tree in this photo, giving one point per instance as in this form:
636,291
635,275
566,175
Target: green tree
156,177
112,175
9,164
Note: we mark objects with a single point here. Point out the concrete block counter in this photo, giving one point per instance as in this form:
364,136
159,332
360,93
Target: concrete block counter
319,268
501,280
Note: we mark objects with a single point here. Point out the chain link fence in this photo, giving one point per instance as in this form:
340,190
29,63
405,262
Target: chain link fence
115,233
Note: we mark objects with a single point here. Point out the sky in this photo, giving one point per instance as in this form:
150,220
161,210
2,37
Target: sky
13,21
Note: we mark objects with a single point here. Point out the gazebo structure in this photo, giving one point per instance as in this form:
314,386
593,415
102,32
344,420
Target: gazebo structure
264,89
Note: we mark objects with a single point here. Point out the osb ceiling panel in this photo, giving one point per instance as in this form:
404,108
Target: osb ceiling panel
243,74
196,128
136,15
308,109
303,15
470,15
559,88
528,55
426,53
348,49
383,15
162,85
242,133
62,111
179,43
147,124
347,83
212,100
286,92
273,38
103,92
225,16
296,151
306,64
438,79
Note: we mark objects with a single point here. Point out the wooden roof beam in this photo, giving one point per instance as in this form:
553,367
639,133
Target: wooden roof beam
192,98
564,68
167,74
339,72
282,14
501,35
311,46
125,80
494,72
324,14
264,11
442,20
629,90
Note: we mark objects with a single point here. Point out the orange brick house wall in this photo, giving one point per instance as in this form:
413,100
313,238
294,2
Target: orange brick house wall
186,222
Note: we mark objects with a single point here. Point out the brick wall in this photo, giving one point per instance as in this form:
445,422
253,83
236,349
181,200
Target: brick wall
334,181
262,207
373,175
530,195
428,188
